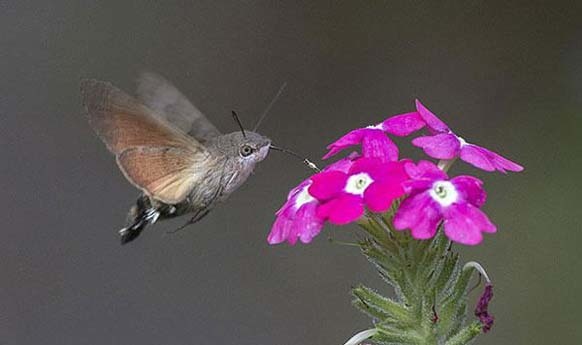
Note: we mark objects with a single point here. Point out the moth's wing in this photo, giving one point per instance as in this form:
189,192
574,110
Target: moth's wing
167,174
163,97
157,158
122,122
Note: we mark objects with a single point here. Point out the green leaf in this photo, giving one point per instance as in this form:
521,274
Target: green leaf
382,304
430,306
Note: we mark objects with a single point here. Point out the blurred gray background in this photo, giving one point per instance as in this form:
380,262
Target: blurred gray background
506,75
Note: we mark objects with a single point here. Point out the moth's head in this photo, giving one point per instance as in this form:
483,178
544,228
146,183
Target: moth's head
249,148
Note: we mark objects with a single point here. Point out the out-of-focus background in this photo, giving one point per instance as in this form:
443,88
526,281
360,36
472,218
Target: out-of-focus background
506,75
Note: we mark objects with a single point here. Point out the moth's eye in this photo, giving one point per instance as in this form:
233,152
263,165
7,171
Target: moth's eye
246,150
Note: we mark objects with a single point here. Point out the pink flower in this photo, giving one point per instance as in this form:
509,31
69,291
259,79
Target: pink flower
297,218
375,143
444,144
370,182
433,198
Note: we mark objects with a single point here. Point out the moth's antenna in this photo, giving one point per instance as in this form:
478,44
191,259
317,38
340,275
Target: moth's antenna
235,116
306,161
266,111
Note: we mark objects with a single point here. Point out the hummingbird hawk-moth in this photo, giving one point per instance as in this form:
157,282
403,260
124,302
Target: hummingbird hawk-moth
169,150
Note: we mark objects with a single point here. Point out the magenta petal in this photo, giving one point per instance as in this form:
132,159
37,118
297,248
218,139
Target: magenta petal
280,230
365,164
403,124
471,189
283,226
502,163
352,138
292,223
474,156
433,122
420,214
327,184
440,146
303,225
465,222
380,171
487,160
417,186
342,210
379,196
343,164
393,171
426,170
376,144
307,222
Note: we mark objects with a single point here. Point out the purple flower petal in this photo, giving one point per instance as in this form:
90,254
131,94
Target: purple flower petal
440,146
433,122
375,144
343,164
350,139
417,186
378,170
303,225
297,218
393,171
365,164
470,189
281,230
474,156
307,222
327,184
465,222
424,170
487,160
379,196
420,214
285,227
403,124
342,210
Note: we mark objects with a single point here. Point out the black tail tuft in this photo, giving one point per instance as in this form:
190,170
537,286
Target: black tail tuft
140,215
132,232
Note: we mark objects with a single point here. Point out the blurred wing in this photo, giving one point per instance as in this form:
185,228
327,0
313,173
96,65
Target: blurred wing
161,96
122,122
167,174
156,157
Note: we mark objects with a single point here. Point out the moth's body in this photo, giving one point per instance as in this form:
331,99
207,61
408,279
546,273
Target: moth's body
169,150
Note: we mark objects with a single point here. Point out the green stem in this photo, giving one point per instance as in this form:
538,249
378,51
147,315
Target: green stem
430,284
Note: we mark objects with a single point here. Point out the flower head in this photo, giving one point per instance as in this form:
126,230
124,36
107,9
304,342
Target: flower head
375,143
433,198
444,144
297,219
370,182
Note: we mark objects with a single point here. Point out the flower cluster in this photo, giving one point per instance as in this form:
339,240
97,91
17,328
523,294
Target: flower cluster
373,179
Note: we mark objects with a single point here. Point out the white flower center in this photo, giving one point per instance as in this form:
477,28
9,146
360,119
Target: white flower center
303,197
444,193
462,141
358,183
